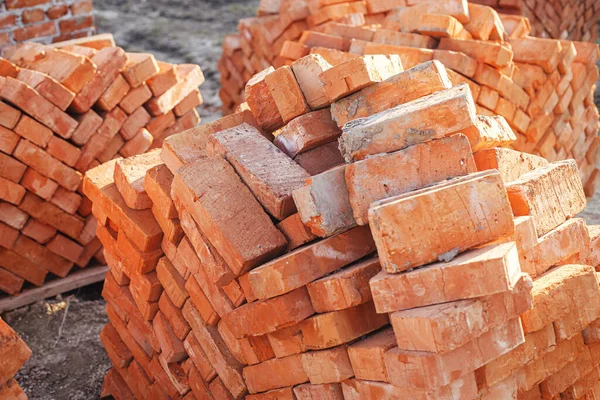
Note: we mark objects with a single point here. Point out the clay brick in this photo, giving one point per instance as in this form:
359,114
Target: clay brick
134,123
57,11
11,169
355,74
33,131
165,79
114,94
41,161
34,31
129,178
46,86
536,194
464,387
492,131
101,138
8,236
311,262
140,67
63,151
189,77
233,241
52,215
109,62
135,98
198,357
510,163
327,392
171,346
191,101
22,267
138,262
65,248
327,366
367,355
139,226
14,353
12,216
321,159
226,366
274,374
10,116
8,140
388,175
10,283
435,370
307,71
139,144
172,282
545,53
397,255
11,192
494,54
88,125
342,327
31,102
40,255
306,132
324,204
425,79
284,311
248,151
485,23
7,68
296,233
71,70
445,327
404,125
496,265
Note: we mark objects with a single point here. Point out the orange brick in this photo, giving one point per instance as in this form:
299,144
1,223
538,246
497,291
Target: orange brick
114,94
15,352
275,374
327,391
135,98
129,178
247,149
134,123
327,366
8,140
63,151
88,125
226,237
140,67
161,82
65,248
11,192
309,263
33,131
171,346
41,255
397,255
189,77
158,187
191,101
22,267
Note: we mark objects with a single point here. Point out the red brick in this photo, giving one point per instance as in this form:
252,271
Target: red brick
175,317
134,123
140,67
296,233
39,184
10,191
171,346
275,374
14,353
101,138
396,252
33,15
12,216
65,248
198,357
35,31
139,144
66,200
37,106
189,77
9,115
226,366
75,24
129,178
234,243
8,140
172,282
8,236
367,355
309,263
7,21
135,98
275,394
327,330
327,366
52,215
191,101
247,149
33,131
165,79
46,86
88,124
11,169
63,151
157,183
5,38
57,11
10,283
12,4
22,267
114,94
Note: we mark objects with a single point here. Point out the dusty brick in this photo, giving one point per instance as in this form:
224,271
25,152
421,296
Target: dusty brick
34,31
33,131
367,355
275,374
46,86
189,77
9,116
327,366
129,178
8,140
248,152
510,163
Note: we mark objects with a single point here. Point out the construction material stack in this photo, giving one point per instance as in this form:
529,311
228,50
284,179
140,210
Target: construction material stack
422,259
14,353
566,19
63,111
543,87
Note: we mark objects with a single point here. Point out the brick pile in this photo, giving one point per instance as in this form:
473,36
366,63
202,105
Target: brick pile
559,19
46,21
62,112
13,354
544,88
424,260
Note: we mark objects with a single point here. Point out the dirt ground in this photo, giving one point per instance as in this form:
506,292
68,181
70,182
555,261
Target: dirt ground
68,359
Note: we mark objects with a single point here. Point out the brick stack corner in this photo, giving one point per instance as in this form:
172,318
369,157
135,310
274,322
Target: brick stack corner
64,110
409,253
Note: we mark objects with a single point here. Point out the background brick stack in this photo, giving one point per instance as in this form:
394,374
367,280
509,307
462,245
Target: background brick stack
63,111
46,21
263,265
13,354
544,88
559,19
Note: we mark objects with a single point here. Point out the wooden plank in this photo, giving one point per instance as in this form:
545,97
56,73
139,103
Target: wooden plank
76,280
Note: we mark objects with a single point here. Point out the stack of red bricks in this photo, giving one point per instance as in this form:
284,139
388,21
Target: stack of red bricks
62,112
251,257
559,19
13,354
544,88
46,21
